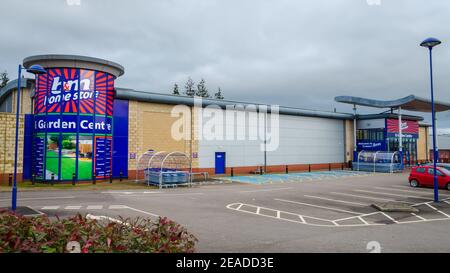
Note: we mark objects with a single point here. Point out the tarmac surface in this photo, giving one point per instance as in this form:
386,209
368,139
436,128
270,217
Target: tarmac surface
332,214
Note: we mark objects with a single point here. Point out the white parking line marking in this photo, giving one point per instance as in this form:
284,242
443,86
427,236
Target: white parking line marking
441,212
367,197
302,219
95,207
72,207
418,216
393,194
433,208
40,198
265,190
316,206
230,206
389,217
337,200
409,187
117,207
423,189
362,220
162,195
412,191
130,192
142,211
353,217
50,208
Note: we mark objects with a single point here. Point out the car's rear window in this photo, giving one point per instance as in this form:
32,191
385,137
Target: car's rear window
420,170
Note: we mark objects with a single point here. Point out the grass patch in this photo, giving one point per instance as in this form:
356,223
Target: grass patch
68,166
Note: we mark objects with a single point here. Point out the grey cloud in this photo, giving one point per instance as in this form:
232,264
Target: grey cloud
293,53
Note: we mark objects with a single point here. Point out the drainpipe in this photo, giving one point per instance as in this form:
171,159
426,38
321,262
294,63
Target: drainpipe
427,131
265,141
400,137
354,134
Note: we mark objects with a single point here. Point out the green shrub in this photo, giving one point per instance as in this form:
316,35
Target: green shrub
42,235
68,144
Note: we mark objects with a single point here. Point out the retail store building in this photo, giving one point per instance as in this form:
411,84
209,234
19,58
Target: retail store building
75,123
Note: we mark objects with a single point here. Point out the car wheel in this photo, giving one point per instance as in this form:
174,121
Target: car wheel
448,186
414,183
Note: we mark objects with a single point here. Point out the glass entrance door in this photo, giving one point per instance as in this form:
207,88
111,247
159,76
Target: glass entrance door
409,146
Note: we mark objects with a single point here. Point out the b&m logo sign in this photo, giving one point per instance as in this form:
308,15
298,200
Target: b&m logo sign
83,98
410,128
69,90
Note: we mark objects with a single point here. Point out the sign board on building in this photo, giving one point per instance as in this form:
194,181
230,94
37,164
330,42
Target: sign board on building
410,128
73,124
371,145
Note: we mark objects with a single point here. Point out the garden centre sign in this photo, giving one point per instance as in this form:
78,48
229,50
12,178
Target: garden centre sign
73,124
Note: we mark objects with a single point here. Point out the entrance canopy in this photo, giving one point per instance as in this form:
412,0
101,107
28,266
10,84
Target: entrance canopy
410,103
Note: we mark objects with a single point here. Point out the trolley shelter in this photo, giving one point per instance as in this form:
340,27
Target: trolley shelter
164,169
387,141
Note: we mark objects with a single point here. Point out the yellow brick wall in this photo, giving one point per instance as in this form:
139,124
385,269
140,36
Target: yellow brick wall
25,101
150,126
7,138
422,144
349,140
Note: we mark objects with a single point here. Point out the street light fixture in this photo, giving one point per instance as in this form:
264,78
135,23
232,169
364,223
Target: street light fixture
430,43
34,69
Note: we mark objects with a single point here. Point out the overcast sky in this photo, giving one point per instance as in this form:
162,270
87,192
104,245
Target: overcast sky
299,53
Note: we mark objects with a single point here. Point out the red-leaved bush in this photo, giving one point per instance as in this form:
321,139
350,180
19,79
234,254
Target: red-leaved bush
141,235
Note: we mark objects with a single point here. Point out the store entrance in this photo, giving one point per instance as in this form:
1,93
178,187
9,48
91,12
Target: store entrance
409,146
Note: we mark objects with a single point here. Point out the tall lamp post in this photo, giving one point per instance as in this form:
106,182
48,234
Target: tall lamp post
430,43
34,69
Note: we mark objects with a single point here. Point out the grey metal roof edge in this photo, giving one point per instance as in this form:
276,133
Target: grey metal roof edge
388,115
384,103
424,124
131,94
67,57
12,85
374,103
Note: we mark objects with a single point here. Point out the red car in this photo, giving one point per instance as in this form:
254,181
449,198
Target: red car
423,176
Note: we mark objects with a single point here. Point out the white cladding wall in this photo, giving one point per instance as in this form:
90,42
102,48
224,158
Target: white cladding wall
371,123
302,140
305,140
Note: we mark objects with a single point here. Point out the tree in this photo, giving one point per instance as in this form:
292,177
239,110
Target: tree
218,95
201,90
4,79
189,88
175,90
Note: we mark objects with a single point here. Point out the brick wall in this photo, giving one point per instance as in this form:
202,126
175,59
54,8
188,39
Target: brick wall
150,127
349,140
7,135
423,144
7,138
